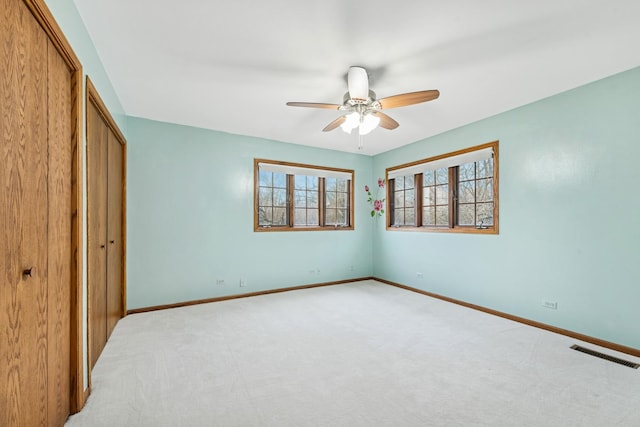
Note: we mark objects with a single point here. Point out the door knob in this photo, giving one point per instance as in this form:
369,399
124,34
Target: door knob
103,246
27,272
112,241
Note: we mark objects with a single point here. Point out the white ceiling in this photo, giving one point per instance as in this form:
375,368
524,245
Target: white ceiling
232,65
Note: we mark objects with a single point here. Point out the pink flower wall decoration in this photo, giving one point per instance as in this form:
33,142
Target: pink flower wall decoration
376,203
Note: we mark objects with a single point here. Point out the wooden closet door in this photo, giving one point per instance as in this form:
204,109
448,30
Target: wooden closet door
115,307
35,206
37,136
97,158
23,218
106,151
59,237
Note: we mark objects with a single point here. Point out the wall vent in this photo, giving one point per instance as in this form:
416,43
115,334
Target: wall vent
605,356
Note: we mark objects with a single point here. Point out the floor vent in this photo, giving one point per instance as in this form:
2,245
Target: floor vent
605,357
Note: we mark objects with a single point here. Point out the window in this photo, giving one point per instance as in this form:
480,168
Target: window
455,192
404,200
292,196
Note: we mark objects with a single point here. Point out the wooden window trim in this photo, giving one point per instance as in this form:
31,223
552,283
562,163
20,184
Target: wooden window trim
322,204
453,196
290,199
453,184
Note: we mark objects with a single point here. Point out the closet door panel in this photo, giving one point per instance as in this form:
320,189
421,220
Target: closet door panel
59,237
23,221
114,231
97,140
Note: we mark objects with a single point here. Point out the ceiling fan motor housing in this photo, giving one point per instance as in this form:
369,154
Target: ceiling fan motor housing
347,100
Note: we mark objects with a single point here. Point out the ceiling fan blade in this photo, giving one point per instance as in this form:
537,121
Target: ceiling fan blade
411,98
358,82
314,105
334,124
385,121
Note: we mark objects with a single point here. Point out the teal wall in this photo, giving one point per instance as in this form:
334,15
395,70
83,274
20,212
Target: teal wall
568,215
190,218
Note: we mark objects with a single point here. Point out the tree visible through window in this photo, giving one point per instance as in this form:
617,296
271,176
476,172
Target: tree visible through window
337,201
404,200
272,192
435,198
292,196
306,201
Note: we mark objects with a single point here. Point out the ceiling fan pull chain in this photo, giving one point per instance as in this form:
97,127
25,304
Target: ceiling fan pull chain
360,142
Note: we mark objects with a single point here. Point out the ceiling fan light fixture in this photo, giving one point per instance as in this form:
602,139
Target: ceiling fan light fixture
368,122
351,121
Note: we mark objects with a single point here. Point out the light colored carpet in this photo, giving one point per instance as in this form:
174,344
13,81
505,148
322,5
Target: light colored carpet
358,354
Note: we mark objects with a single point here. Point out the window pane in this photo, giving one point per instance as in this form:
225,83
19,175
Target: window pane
300,198
398,217
279,216
409,198
399,199
312,199
264,216
466,214
331,215
330,184
266,179
342,200
429,216
280,180
409,217
331,200
442,194
429,196
428,178
300,217
342,185
279,197
342,216
266,196
442,176
399,183
485,214
312,182
485,168
409,181
312,217
442,215
485,190
466,192
300,182
467,171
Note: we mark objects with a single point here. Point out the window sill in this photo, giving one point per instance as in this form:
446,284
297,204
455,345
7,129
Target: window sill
463,230
287,229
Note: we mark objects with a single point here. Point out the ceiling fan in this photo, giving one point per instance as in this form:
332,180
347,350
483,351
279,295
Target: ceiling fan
361,108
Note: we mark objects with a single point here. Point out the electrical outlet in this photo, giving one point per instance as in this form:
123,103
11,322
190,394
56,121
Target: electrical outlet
553,305
220,282
243,283
419,275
